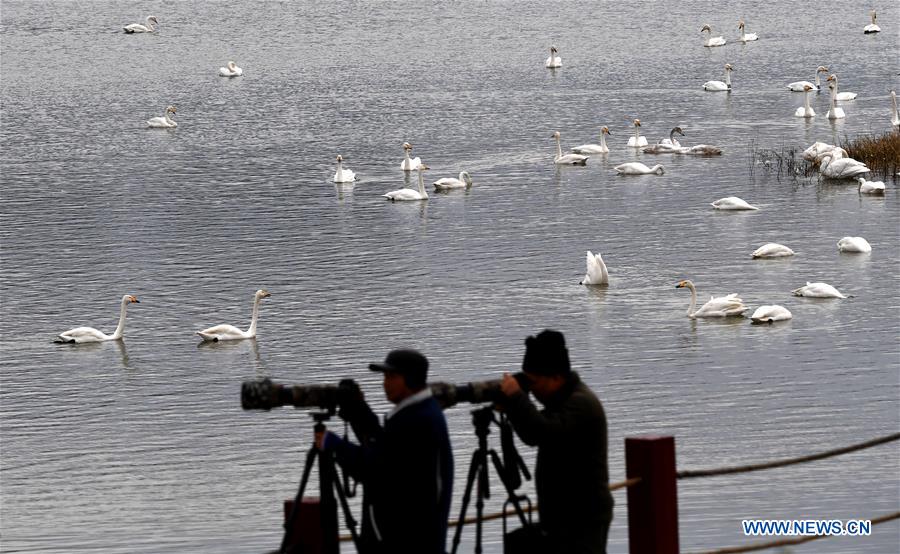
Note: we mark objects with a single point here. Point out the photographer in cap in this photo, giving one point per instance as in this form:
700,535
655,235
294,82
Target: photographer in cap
405,466
572,474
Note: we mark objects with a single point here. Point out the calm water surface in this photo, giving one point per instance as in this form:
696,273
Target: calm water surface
141,445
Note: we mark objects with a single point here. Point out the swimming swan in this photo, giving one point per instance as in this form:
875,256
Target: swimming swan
410,194
595,148
409,164
89,334
230,332
835,166
448,183
798,86
667,146
870,187
145,28
719,86
746,37
554,60
872,27
772,250
637,140
711,40
856,245
818,290
596,271
805,110
343,175
732,203
834,111
637,168
723,306
164,122
769,314
567,159
841,96
231,70
895,115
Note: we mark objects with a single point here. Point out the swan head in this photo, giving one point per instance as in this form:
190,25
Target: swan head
678,130
741,24
807,88
729,67
832,78
339,158
555,135
407,146
153,19
553,50
605,131
231,65
129,299
170,109
423,167
262,293
637,122
706,28
821,69
686,283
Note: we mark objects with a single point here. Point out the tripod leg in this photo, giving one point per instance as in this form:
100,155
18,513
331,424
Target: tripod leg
510,492
467,496
295,509
348,515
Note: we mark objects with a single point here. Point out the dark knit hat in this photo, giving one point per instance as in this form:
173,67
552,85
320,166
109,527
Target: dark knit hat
409,363
546,354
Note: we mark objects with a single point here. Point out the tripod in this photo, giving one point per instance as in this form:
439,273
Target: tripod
478,469
328,485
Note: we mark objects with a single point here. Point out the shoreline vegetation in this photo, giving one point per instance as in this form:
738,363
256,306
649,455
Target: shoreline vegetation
880,153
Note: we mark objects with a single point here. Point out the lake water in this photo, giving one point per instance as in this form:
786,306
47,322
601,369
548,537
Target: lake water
141,445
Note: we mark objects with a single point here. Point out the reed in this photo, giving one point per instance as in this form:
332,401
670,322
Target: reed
881,153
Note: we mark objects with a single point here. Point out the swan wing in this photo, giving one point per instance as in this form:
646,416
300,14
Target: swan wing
715,86
449,183
590,149
799,86
222,332
725,306
772,250
403,194
82,334
135,28
571,159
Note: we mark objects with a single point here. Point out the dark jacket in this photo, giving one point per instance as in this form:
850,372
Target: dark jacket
572,473
406,468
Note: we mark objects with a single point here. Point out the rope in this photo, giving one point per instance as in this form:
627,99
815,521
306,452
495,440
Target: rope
512,511
790,461
786,542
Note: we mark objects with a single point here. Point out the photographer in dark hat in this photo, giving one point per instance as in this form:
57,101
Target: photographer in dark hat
405,466
572,473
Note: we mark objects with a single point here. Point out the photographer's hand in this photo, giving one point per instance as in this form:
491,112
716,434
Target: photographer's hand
509,385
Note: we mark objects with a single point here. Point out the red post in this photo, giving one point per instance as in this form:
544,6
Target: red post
652,503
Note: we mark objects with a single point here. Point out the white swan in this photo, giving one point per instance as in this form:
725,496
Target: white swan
872,27
409,164
554,60
841,96
870,187
567,159
89,334
834,111
596,271
895,115
818,290
805,110
147,27
798,86
464,181
732,203
231,70
723,306
667,145
595,148
772,250
343,175
720,86
771,313
637,140
746,37
230,332
637,168
817,150
856,245
164,122
711,40
410,194
835,166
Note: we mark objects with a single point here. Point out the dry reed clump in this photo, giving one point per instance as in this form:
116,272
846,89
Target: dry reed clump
785,163
881,154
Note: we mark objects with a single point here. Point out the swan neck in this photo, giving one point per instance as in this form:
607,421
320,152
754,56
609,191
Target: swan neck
120,328
251,332
340,169
406,155
806,100
690,311
603,141
637,134
558,148
422,192
894,102
728,78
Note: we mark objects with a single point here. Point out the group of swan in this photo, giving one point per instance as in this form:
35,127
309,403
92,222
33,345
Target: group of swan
164,122
215,333
720,86
834,163
231,70
147,27
554,60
